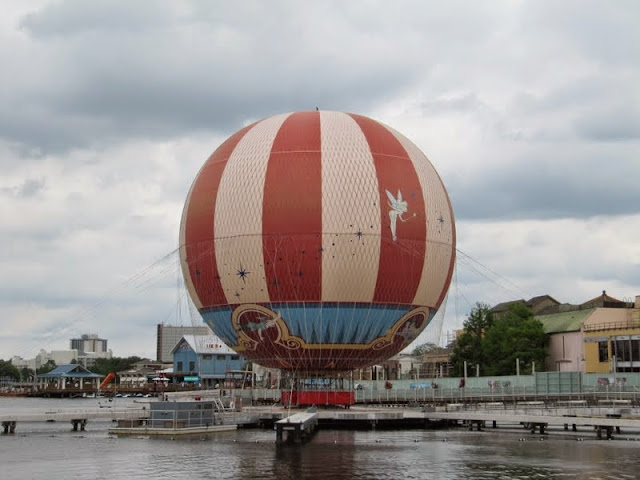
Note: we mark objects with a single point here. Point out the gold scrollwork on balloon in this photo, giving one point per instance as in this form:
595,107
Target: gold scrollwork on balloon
246,343
268,320
407,328
290,342
380,343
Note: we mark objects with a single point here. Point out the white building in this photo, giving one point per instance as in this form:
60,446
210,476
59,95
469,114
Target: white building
59,357
168,337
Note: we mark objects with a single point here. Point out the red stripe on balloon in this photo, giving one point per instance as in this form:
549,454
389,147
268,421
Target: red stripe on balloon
402,258
292,211
199,224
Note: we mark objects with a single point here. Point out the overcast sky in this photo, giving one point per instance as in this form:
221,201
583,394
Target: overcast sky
529,110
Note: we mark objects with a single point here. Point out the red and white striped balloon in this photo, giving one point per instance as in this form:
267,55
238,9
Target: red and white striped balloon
331,228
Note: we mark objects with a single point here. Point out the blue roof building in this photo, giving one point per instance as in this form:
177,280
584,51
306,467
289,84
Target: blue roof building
69,377
204,359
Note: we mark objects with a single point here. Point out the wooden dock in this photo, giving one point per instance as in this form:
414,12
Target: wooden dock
602,425
299,427
78,417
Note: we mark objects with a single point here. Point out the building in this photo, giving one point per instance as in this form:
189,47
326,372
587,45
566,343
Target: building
606,301
612,340
436,364
140,373
168,337
204,359
540,305
59,357
68,378
399,367
89,348
566,340
89,343
601,335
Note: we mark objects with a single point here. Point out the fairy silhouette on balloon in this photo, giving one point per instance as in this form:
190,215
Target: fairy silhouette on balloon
398,207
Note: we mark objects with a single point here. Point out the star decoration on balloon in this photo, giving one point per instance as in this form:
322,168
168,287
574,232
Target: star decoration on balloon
243,273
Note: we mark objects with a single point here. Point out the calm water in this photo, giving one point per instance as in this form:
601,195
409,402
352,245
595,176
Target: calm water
52,450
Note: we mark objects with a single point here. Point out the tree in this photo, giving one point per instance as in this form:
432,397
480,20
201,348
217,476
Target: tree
517,336
425,348
46,368
7,369
26,374
104,366
469,344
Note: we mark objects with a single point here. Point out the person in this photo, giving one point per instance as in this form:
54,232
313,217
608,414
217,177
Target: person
462,382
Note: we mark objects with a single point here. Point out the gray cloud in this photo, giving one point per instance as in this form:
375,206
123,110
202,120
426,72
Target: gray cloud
529,110
615,123
562,185
592,28
160,69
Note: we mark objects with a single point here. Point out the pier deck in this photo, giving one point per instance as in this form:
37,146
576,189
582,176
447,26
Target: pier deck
602,425
78,417
299,427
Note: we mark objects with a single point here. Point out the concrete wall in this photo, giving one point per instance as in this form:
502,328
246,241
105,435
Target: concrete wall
566,353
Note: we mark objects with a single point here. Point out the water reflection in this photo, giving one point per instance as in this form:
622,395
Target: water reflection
54,451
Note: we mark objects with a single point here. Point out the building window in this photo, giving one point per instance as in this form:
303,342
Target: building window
603,351
235,357
635,350
192,366
207,357
221,357
179,366
626,350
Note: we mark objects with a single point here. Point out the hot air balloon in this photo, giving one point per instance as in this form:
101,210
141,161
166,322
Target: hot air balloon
317,242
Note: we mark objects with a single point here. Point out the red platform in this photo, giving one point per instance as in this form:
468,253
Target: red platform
318,397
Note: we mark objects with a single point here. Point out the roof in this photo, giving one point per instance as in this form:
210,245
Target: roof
602,300
532,301
69,371
564,322
504,306
205,344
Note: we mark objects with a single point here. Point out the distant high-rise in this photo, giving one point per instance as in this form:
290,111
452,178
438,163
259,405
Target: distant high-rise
89,343
169,336
90,347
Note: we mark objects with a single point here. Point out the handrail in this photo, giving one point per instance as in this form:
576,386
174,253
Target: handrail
627,324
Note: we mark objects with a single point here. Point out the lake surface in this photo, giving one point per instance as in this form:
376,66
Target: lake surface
52,450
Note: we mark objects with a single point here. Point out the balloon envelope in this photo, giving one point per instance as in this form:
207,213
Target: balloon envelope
317,241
